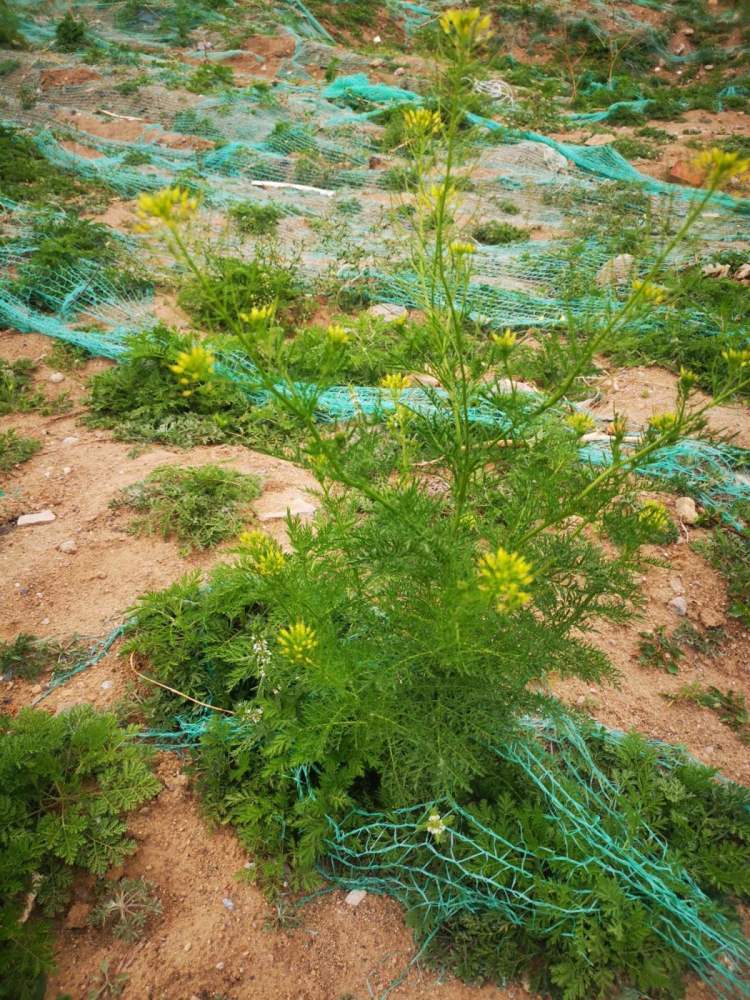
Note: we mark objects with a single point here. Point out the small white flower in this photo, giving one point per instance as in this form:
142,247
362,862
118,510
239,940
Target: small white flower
436,826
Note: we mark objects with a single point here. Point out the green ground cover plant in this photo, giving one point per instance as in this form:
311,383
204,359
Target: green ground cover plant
18,394
499,233
729,705
28,657
28,176
126,907
67,783
198,506
253,219
15,449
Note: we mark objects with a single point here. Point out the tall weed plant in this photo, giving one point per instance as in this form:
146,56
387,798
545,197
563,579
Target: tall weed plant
384,659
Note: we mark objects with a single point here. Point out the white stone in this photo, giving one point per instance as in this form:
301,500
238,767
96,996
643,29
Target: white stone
29,520
594,436
69,547
296,506
67,469
686,510
107,685
355,897
616,271
600,140
57,377
68,441
679,605
387,311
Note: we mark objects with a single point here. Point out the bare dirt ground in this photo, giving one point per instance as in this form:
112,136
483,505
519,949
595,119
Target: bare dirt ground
218,936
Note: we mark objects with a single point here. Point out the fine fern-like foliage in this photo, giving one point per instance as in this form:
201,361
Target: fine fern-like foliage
199,506
66,783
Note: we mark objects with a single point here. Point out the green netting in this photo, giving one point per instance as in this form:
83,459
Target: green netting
475,869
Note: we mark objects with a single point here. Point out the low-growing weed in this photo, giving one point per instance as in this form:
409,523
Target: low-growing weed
499,233
16,449
68,781
657,649
729,553
17,393
28,657
210,77
125,907
71,33
230,286
199,506
255,219
729,706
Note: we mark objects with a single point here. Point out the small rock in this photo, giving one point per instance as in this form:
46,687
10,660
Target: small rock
228,903
716,271
78,916
57,377
594,436
37,689
616,271
188,946
29,520
742,274
424,380
679,605
355,897
400,71
600,140
295,507
709,749
219,966
677,585
387,311
69,547
69,441
375,162
685,172
107,685
686,510
67,469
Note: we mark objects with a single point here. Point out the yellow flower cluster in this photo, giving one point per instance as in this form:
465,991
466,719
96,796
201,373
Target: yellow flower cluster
258,315
506,341
651,292
298,642
504,576
337,335
192,367
736,358
170,206
465,26
721,165
458,248
663,422
688,379
263,553
421,121
581,423
395,382
654,515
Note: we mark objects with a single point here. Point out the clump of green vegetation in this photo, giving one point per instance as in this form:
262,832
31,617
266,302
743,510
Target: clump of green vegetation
199,506
656,649
28,176
67,357
16,449
67,782
17,393
9,25
8,66
141,400
400,178
64,245
230,286
28,657
126,907
495,233
730,706
210,77
729,553
633,149
253,219
349,16
71,33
